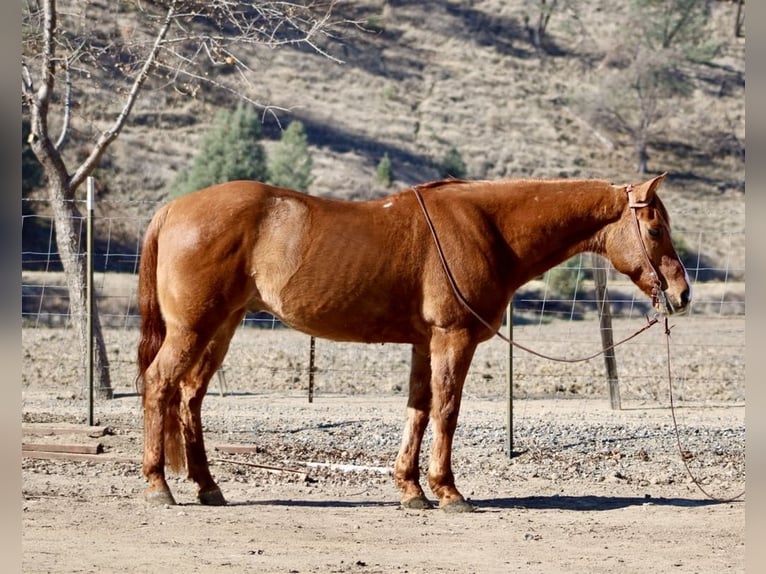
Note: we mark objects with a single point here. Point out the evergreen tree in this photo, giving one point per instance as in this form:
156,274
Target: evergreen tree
290,162
453,165
384,173
231,150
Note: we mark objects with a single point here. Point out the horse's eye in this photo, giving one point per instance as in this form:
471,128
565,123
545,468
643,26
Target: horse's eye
653,232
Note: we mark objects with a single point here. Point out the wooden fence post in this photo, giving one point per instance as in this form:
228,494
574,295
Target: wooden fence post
607,339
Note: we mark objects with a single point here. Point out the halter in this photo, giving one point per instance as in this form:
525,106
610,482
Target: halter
658,295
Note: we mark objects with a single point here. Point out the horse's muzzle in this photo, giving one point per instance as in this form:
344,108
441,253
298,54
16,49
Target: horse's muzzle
668,305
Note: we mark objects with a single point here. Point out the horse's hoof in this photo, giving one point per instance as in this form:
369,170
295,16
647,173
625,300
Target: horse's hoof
459,505
417,503
211,497
159,497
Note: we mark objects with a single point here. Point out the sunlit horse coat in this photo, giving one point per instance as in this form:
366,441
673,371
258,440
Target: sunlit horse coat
370,271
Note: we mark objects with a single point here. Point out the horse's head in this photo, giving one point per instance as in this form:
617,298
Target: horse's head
641,248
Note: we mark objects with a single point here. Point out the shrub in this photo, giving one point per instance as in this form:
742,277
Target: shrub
384,172
563,280
453,165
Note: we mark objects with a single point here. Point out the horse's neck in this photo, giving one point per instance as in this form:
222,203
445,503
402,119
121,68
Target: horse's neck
550,222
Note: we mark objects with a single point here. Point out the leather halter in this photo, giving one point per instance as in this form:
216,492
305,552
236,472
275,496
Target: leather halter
658,296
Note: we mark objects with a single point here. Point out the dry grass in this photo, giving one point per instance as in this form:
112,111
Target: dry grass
432,75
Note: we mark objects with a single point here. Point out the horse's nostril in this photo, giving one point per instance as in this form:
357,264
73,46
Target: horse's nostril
685,297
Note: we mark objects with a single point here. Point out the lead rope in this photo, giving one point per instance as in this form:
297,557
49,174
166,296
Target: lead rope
683,456
657,294
496,332
651,322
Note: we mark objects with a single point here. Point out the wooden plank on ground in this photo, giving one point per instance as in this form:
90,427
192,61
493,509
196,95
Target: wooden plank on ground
64,428
97,448
78,457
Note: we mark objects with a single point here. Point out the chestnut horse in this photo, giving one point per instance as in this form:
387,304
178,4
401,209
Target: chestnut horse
370,271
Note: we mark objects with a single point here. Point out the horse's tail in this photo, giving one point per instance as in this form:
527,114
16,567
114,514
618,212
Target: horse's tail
152,323
153,331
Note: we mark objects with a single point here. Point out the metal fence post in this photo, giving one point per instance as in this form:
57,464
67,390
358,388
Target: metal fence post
509,383
312,347
89,294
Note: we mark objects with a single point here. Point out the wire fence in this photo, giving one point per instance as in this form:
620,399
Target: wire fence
556,314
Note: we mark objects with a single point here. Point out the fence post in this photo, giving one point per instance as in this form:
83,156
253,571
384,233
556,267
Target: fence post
607,339
312,347
89,293
509,383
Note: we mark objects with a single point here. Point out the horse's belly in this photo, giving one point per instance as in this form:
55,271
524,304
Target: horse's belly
338,313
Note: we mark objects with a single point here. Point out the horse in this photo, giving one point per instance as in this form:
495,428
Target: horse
433,266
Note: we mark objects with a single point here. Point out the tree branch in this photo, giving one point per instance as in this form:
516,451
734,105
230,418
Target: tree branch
109,135
67,108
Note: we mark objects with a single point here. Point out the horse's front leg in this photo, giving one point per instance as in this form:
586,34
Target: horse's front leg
451,354
407,469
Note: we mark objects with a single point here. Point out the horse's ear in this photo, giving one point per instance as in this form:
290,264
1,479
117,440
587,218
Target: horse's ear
644,193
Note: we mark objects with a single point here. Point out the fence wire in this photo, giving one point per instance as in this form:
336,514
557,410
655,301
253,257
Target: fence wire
556,314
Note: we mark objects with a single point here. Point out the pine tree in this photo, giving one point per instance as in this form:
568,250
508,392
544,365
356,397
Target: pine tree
230,151
290,162
384,173
453,165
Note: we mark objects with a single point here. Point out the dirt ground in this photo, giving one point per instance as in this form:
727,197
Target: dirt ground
588,489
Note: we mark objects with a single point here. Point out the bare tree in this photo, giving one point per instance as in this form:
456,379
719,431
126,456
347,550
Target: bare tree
648,73
65,57
537,15
537,23
634,99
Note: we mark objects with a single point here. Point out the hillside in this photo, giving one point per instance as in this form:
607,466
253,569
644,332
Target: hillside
420,78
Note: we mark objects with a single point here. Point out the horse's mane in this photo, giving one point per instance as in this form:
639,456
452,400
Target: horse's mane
450,181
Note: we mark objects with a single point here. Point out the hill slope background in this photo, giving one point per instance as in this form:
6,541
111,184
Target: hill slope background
417,79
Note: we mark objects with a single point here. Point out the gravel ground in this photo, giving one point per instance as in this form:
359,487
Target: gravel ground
588,487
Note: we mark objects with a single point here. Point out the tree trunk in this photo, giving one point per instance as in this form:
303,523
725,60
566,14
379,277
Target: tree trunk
68,221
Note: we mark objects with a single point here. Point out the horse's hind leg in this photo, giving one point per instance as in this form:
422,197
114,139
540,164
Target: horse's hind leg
179,351
406,469
193,390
